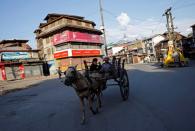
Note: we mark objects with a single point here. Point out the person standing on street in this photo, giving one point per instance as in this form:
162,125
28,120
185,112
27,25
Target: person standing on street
59,72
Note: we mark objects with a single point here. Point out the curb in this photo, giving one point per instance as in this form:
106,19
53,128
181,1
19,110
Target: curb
5,90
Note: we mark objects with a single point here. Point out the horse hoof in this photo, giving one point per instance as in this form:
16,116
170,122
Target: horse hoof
94,113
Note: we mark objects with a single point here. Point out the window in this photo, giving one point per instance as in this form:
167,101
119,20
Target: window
69,21
78,23
58,48
48,51
75,46
50,38
87,24
51,25
60,22
52,50
47,40
63,47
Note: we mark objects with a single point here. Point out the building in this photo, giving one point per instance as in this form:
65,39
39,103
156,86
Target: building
109,50
135,52
162,46
65,40
150,43
193,33
18,60
191,43
131,52
117,48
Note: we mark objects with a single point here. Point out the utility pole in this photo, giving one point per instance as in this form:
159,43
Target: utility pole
170,27
103,28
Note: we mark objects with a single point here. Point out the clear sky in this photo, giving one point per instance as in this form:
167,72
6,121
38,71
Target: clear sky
134,18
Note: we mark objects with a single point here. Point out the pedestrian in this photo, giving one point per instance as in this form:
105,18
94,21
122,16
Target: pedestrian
59,72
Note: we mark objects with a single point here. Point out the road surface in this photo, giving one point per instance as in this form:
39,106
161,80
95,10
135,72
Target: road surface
160,100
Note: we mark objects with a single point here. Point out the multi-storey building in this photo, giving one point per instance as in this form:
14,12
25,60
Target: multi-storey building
193,34
135,52
66,40
18,60
150,43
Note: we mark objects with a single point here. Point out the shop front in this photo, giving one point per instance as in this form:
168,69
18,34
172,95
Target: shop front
19,65
70,57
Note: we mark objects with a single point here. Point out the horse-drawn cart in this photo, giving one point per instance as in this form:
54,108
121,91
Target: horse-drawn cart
89,85
117,73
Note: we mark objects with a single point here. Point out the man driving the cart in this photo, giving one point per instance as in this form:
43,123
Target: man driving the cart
95,66
106,66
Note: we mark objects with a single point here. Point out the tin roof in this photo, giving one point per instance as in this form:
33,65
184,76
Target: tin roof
13,41
59,15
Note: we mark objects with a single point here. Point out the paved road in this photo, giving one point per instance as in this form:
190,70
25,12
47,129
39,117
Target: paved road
161,100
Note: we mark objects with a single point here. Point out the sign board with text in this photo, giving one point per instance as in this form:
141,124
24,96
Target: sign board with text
70,36
61,54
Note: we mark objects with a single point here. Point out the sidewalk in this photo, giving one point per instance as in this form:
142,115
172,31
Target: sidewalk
8,86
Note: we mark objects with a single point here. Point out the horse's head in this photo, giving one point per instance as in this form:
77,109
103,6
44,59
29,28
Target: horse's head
70,75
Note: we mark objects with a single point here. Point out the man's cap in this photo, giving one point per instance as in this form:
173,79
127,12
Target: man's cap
106,58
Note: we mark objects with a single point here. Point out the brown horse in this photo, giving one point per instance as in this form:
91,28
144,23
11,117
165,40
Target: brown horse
85,89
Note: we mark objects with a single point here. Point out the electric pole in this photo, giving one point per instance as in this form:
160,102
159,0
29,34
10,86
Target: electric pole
170,26
103,28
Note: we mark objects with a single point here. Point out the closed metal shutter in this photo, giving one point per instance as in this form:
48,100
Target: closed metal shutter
33,70
1,74
12,72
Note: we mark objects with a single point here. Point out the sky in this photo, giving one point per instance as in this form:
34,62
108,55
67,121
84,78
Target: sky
134,19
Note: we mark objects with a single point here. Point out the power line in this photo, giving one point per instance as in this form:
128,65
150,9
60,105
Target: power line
91,14
112,14
181,3
158,24
185,6
176,3
115,16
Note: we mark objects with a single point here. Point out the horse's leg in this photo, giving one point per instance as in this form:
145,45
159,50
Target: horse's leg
100,91
97,102
90,104
99,98
82,110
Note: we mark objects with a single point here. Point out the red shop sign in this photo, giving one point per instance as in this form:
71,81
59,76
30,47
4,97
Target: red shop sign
22,74
85,52
70,36
61,54
59,38
3,73
84,37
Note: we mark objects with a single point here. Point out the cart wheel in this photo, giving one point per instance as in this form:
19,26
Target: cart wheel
124,85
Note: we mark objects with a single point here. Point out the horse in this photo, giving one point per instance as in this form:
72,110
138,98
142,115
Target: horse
85,89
